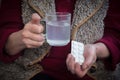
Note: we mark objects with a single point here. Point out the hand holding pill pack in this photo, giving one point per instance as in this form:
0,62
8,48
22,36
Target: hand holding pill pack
77,51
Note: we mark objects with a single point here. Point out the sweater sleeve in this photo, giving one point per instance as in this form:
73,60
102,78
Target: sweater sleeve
111,37
10,21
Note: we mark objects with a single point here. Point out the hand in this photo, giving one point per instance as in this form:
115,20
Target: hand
32,35
29,37
90,58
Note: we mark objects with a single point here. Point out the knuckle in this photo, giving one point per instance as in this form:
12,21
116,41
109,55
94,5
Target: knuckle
27,26
24,33
33,27
41,28
37,44
41,43
28,46
24,41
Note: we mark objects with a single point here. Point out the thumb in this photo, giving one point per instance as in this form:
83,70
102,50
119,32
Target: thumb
35,19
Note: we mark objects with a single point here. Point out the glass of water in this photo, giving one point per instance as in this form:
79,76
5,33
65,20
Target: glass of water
58,28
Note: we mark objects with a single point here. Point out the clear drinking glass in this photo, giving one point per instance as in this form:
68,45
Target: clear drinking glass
58,28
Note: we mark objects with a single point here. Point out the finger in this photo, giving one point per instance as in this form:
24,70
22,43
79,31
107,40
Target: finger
88,62
29,42
37,29
79,72
34,28
35,19
68,59
32,36
30,46
71,64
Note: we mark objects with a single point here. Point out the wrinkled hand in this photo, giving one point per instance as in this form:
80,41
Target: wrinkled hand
90,58
32,35
29,37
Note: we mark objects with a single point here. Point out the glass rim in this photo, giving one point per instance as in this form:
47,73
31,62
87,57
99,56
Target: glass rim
59,14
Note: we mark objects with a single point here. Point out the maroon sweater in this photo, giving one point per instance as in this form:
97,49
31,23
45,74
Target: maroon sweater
54,64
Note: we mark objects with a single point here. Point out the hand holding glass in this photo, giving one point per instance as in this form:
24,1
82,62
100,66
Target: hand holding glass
58,28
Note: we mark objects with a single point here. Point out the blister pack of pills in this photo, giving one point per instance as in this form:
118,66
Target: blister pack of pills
77,50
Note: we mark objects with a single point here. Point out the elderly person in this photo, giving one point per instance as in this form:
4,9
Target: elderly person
20,32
